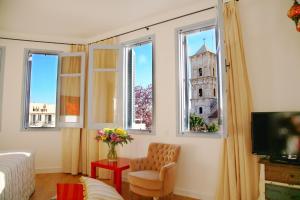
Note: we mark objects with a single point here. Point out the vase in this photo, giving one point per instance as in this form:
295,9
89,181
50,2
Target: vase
112,153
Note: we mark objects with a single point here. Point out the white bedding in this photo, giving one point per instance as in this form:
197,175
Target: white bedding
17,179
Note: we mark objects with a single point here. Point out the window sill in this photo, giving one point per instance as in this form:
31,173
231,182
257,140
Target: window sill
140,132
202,135
54,129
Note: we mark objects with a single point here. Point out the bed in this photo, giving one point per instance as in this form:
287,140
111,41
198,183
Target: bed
17,179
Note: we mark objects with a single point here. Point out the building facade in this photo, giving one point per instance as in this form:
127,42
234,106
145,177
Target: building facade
204,85
42,115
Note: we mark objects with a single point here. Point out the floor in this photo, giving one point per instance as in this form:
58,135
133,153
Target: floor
46,186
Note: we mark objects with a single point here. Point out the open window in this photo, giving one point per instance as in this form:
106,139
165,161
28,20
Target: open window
105,86
53,89
139,85
201,76
71,90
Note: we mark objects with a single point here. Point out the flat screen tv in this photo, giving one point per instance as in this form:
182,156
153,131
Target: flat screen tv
277,134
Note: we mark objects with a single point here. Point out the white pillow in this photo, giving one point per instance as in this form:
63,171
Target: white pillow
97,190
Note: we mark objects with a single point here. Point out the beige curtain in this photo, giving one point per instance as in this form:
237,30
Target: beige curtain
239,170
79,145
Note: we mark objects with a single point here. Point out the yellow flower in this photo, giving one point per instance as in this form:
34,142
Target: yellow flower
120,131
104,137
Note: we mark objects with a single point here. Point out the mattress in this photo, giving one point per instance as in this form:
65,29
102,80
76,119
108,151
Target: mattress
17,181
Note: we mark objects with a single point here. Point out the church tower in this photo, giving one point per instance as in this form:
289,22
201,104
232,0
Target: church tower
204,86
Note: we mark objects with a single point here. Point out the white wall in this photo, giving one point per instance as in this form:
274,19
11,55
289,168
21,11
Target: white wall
272,48
46,145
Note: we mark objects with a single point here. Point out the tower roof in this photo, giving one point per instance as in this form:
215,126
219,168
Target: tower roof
203,49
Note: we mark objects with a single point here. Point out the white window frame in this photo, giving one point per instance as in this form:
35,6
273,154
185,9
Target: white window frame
221,71
26,98
126,45
2,58
118,103
82,89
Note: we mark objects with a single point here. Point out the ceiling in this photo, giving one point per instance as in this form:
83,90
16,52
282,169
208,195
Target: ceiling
78,18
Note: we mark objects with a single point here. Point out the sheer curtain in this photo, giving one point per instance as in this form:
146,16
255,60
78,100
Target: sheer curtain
239,169
79,145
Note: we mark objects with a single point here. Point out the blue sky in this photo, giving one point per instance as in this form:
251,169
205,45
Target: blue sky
43,78
196,40
143,71
143,54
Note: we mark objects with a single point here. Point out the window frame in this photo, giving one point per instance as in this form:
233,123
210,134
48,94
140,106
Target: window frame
119,87
126,45
221,72
2,61
82,89
26,97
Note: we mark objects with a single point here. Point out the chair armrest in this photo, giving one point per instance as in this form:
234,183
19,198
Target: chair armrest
137,164
167,171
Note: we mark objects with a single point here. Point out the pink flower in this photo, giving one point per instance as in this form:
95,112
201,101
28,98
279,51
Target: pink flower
100,132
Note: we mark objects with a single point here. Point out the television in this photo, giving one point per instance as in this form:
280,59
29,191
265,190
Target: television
277,135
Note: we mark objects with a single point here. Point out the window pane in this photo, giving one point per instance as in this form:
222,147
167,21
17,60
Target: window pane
69,99
70,65
200,81
139,99
105,58
43,82
103,99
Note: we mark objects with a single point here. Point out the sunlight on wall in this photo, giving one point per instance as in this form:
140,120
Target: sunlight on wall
15,153
2,181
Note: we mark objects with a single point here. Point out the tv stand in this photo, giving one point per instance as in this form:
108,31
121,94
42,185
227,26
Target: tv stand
282,181
283,160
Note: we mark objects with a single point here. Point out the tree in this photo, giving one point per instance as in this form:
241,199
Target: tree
143,105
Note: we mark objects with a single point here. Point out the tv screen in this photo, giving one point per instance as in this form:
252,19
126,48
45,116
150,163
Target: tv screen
276,134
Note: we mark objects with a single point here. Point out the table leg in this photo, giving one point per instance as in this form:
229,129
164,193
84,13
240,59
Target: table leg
118,180
115,176
93,171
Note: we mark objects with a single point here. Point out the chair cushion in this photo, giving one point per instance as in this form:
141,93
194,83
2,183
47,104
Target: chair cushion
97,190
148,179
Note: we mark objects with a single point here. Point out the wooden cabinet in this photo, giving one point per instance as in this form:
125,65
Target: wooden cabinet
282,173
282,181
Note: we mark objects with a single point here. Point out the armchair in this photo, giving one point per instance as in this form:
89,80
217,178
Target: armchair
154,175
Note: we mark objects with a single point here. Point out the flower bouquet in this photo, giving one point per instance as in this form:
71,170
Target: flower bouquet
113,137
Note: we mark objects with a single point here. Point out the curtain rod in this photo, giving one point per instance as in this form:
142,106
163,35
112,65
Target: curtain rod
41,41
131,31
154,24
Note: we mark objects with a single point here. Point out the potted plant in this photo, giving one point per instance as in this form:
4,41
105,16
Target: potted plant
113,137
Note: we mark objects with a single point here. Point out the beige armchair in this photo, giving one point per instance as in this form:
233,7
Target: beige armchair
154,176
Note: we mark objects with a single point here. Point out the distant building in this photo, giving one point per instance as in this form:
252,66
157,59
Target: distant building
41,115
204,101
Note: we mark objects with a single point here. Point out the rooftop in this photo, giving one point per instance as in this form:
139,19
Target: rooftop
202,49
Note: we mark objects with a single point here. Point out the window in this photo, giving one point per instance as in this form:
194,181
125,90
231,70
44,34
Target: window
139,84
198,59
105,108
41,88
200,110
200,92
200,71
45,87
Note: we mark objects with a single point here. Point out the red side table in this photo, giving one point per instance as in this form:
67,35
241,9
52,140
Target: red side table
69,191
118,166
